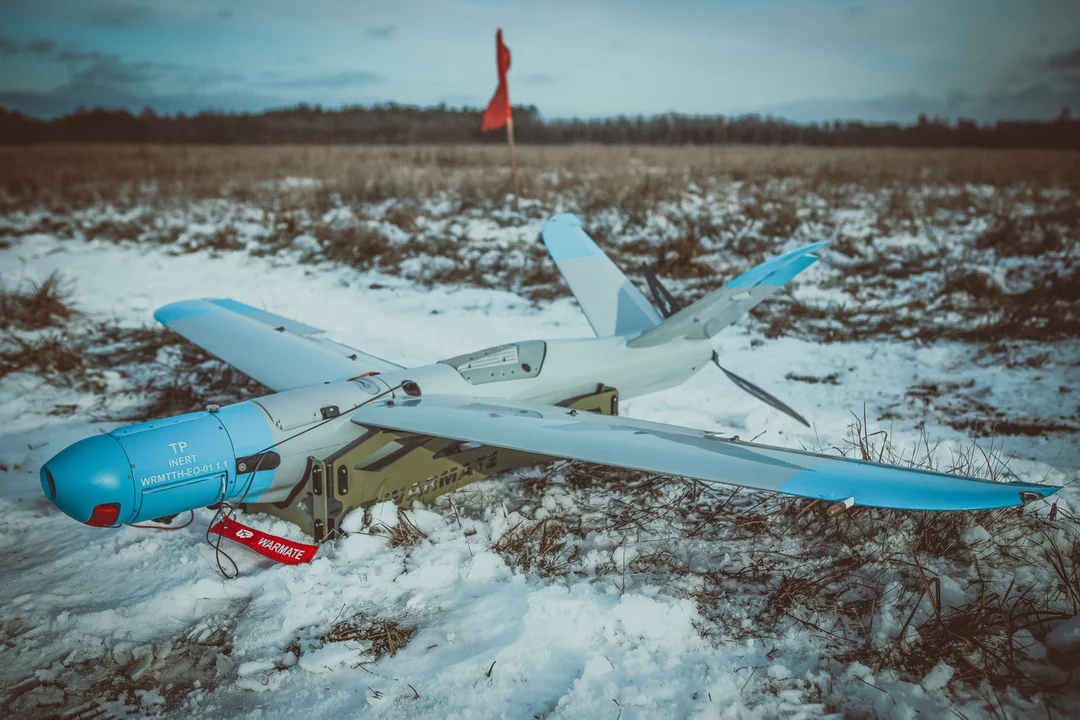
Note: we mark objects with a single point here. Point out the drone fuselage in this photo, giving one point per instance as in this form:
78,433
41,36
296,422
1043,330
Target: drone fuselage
258,450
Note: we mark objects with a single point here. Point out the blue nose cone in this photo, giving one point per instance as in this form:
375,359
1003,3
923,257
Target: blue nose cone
91,480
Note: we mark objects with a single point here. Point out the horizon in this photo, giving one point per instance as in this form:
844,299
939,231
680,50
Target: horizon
801,62
952,122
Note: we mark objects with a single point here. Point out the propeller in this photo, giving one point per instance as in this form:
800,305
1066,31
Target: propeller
668,306
747,386
665,301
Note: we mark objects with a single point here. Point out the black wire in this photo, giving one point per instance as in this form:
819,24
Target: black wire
226,510
191,519
216,544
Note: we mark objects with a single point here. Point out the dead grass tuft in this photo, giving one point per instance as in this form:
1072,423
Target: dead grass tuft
403,534
36,305
542,547
358,247
381,637
53,356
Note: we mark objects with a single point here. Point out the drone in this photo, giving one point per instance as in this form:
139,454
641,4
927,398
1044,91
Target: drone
345,429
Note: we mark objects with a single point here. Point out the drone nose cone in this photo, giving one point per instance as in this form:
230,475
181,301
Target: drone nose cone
91,481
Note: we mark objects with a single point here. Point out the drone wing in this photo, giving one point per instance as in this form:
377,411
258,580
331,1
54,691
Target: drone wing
279,353
673,450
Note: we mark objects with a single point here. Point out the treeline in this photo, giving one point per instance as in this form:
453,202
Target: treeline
397,124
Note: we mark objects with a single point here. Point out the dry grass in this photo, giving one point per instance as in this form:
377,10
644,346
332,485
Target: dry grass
36,305
402,534
621,176
43,334
696,216
380,637
33,334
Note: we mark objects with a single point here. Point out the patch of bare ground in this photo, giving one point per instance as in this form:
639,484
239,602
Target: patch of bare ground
960,408
104,678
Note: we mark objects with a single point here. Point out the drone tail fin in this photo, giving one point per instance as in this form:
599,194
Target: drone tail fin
725,305
609,300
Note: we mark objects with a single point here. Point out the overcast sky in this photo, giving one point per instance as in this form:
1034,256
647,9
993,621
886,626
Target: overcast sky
805,60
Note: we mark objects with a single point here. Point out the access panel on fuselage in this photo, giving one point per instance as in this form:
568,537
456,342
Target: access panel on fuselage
177,464
515,361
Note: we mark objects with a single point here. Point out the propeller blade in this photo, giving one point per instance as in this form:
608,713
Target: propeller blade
757,392
668,306
662,297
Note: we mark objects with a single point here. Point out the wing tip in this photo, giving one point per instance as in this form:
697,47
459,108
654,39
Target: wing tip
565,219
564,239
900,488
776,272
168,314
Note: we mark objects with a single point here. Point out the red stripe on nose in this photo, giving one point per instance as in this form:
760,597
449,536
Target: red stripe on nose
105,515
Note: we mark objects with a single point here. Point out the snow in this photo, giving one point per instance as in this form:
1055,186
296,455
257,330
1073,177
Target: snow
306,245
1065,637
137,620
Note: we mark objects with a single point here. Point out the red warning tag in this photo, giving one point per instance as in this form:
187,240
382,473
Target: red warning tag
272,546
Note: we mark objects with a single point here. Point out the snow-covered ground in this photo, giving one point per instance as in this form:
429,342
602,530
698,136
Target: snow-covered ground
651,617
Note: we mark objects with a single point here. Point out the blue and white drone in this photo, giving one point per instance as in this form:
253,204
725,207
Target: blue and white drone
342,425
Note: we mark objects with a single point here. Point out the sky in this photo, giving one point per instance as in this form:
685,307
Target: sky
804,60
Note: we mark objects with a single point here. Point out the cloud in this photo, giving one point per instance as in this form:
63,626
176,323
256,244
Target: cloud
72,56
110,71
50,50
896,107
958,99
537,79
1038,88
64,100
9,47
1038,100
349,78
40,47
1064,61
1032,101
383,32
462,100
96,68
1034,88
102,79
121,15
209,76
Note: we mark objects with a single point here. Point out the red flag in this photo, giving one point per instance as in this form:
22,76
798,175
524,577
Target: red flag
498,110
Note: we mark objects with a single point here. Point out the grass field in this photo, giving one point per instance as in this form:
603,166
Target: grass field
989,237
631,177
940,328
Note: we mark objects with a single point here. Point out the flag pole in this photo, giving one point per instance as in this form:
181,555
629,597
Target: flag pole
513,159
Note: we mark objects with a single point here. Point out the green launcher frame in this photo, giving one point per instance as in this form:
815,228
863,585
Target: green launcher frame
402,467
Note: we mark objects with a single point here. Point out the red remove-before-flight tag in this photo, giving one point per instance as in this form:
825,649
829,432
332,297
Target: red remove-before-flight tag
272,546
